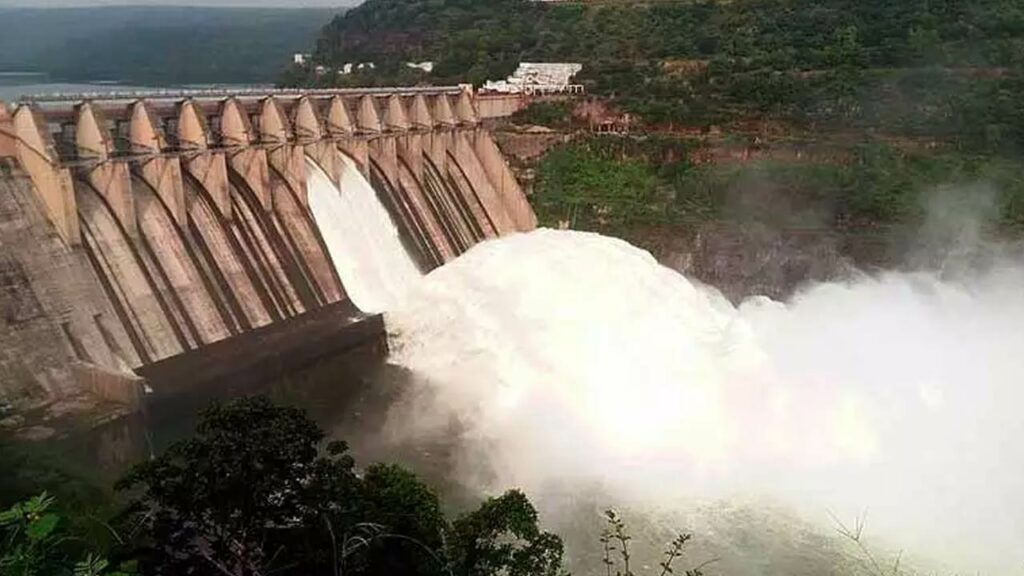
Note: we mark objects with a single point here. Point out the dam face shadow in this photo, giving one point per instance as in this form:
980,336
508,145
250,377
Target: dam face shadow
348,393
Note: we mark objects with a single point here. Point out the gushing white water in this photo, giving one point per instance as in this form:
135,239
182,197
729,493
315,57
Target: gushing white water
361,238
571,357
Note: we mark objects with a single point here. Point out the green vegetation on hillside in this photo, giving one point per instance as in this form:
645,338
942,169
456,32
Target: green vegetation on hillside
610,184
834,115
556,115
946,68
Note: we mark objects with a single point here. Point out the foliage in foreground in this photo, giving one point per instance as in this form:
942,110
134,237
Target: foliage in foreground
33,542
253,493
616,559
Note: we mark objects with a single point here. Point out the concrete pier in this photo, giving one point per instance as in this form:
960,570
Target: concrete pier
166,237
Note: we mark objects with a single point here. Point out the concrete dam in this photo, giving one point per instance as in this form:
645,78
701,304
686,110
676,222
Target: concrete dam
153,241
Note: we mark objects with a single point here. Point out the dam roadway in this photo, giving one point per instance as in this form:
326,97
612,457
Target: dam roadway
165,240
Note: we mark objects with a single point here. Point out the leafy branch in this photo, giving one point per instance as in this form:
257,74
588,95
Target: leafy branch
615,539
855,534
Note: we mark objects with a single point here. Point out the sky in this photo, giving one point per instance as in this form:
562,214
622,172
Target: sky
263,3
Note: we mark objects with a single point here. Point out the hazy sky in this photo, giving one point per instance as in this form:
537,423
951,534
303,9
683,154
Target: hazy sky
279,3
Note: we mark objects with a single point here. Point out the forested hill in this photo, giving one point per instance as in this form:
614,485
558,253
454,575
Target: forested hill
917,67
487,37
157,45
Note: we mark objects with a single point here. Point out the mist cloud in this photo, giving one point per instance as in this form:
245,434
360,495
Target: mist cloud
571,358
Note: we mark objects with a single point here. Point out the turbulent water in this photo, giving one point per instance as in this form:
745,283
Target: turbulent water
361,238
575,359
572,363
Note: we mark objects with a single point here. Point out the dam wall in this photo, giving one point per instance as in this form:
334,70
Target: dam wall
149,234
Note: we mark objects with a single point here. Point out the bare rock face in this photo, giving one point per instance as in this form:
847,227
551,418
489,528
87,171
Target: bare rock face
755,260
752,260
529,145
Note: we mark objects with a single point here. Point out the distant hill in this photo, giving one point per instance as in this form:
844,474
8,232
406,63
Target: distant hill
463,35
950,69
157,45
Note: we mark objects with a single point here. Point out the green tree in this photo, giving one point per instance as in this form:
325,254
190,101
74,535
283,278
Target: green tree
502,538
255,491
33,542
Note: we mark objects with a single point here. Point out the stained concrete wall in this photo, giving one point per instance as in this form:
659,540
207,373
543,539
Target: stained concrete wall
499,105
54,316
197,231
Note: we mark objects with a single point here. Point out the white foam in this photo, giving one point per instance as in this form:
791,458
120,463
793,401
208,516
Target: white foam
362,240
571,356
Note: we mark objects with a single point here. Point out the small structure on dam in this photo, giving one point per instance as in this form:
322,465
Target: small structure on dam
169,236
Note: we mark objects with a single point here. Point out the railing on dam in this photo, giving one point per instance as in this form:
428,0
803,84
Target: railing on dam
221,93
